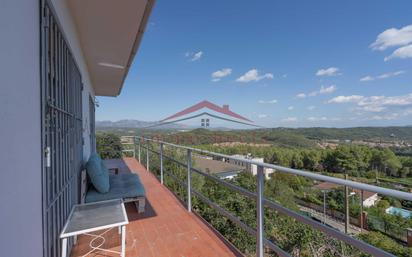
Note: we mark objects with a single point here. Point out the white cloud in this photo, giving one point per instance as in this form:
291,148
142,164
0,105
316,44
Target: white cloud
346,99
390,74
367,78
311,108
197,56
290,119
382,76
375,103
327,90
323,90
393,37
317,119
291,108
219,74
262,116
401,53
268,101
386,101
331,71
392,115
194,56
253,75
313,93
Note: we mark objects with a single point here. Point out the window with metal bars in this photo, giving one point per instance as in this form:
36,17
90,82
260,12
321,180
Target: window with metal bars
61,86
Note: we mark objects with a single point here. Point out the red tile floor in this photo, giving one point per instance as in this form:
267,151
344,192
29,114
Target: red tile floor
165,229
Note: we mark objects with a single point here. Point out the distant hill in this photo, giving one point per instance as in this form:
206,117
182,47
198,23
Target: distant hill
135,124
138,124
356,133
284,137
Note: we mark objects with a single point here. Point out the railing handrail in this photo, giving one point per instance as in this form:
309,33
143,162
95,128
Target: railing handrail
362,186
261,201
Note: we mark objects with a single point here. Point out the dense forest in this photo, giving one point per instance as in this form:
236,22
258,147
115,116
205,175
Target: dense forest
355,160
285,137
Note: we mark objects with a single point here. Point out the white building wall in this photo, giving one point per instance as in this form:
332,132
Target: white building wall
20,130
69,30
20,121
267,172
252,168
371,201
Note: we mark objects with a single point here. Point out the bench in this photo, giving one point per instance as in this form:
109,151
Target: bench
126,186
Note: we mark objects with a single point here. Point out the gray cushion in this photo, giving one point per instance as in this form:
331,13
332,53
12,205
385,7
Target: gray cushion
123,185
98,174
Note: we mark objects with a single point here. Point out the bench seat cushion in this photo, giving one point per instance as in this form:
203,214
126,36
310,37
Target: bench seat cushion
123,185
98,174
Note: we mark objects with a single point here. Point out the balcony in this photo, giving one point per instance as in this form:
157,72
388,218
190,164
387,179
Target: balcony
166,228
171,225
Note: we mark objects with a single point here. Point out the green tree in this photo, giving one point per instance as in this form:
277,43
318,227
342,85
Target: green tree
383,205
108,145
381,241
385,161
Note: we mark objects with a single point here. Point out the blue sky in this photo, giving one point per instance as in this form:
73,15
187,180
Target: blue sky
280,63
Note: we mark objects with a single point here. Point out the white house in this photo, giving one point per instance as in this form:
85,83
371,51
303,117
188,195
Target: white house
369,198
252,168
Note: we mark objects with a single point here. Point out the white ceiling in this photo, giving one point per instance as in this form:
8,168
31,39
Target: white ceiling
110,32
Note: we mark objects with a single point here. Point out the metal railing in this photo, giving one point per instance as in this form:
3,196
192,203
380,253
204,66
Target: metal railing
261,201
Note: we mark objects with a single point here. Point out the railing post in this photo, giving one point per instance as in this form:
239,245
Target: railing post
324,206
139,151
147,155
161,163
260,177
134,148
361,211
189,180
347,217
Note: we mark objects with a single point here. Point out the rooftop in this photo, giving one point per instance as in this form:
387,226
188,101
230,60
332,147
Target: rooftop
164,229
213,166
332,186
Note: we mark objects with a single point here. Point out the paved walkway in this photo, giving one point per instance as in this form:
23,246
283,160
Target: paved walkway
165,229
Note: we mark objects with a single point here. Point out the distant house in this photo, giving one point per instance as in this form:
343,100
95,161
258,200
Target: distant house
369,198
220,169
252,168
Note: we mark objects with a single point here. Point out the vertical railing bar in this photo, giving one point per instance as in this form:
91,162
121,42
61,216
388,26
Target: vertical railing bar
189,180
259,212
324,206
139,150
346,189
147,155
361,211
161,163
134,148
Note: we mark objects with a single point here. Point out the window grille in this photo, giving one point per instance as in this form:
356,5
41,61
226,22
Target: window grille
62,141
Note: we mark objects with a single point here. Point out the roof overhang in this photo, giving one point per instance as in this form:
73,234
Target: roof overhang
110,32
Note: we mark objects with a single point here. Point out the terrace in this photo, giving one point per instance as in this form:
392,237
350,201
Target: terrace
171,226
164,229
